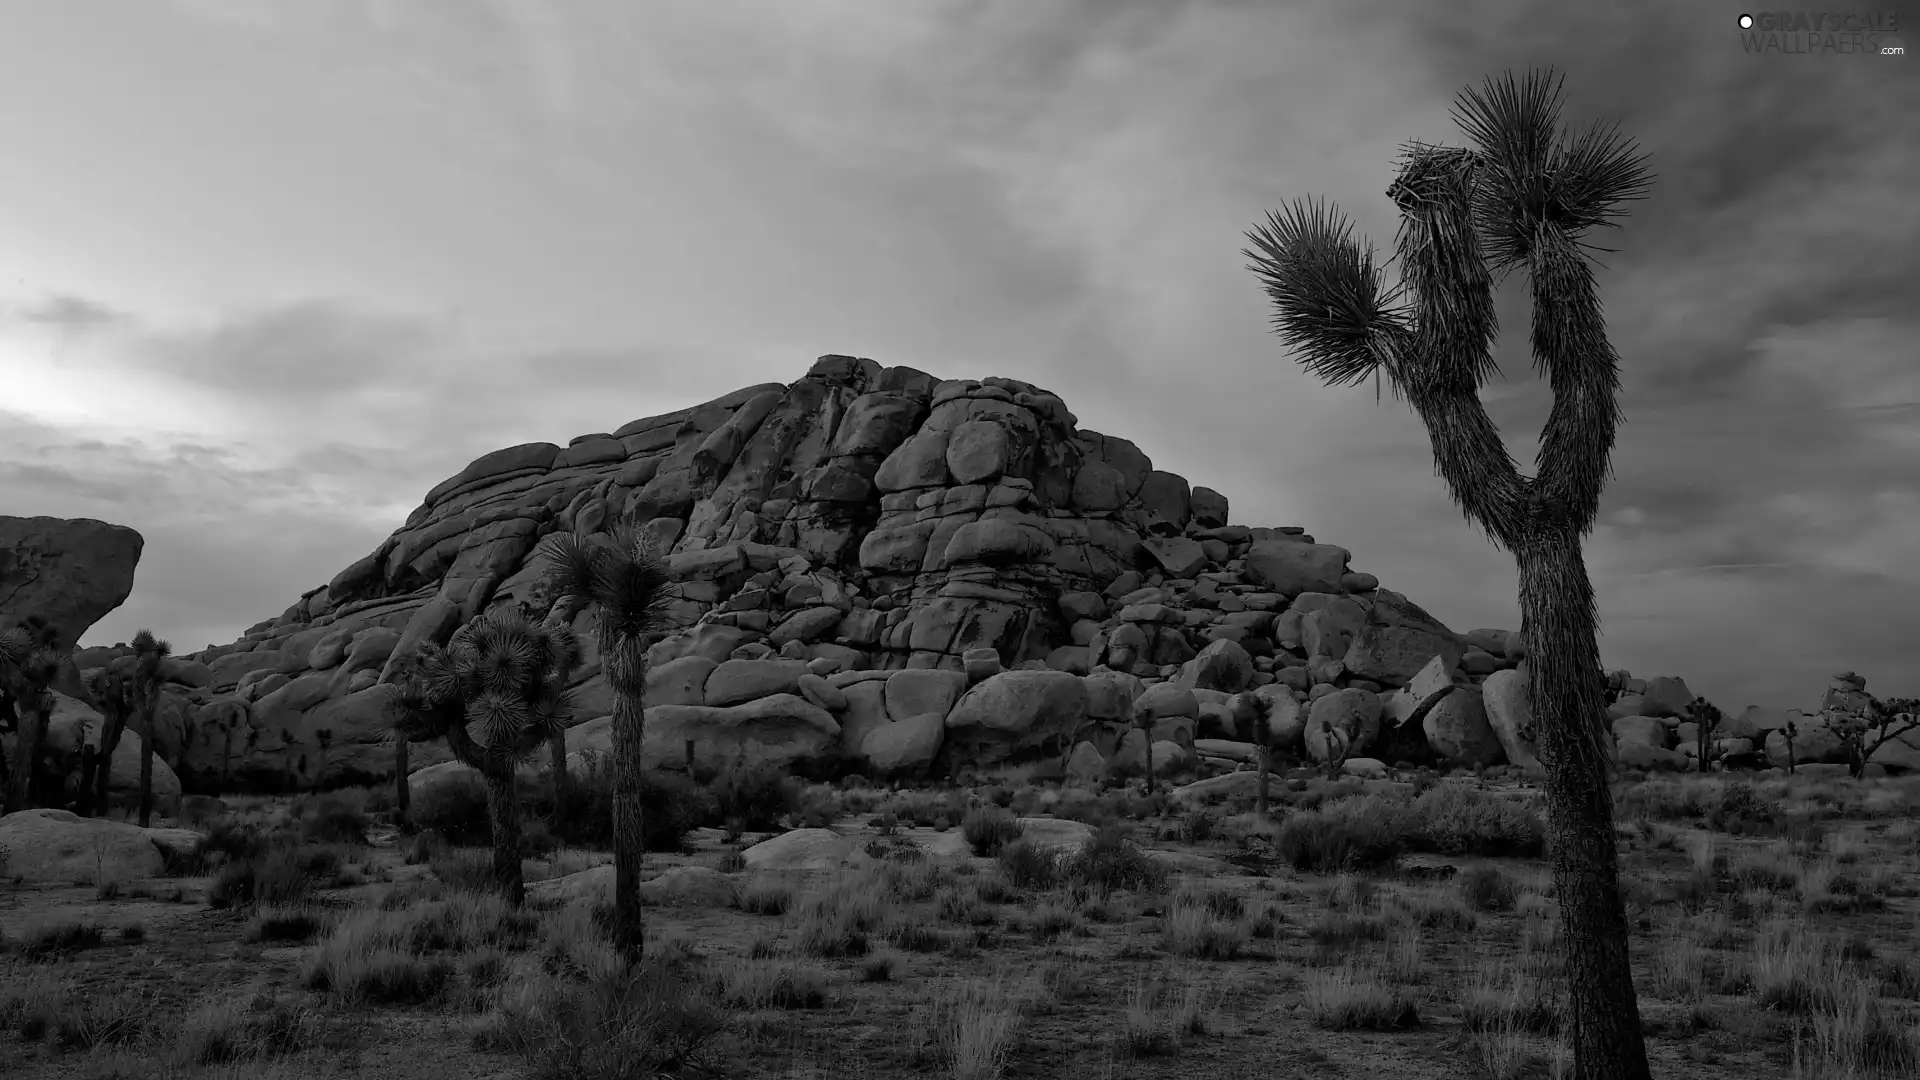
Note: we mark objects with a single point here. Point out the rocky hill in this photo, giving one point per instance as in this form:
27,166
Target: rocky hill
880,571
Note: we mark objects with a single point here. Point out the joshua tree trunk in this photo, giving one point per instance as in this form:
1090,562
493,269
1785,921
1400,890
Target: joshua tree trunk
146,773
401,802
83,794
1524,197
1566,691
110,732
31,726
503,814
557,751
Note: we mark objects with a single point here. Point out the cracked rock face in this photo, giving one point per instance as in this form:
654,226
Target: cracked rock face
824,535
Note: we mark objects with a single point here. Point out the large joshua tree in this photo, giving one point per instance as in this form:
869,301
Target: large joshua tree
1524,196
625,580
149,653
495,693
29,660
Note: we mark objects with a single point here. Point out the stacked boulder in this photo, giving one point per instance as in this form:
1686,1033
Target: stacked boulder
878,570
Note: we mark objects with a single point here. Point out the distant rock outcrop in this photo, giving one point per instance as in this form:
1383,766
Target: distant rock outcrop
881,571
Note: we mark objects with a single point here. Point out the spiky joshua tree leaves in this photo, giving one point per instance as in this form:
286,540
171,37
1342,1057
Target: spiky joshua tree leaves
1523,196
625,581
495,692
29,660
149,655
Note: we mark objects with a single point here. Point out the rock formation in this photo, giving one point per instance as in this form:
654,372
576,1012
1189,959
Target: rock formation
73,572
880,571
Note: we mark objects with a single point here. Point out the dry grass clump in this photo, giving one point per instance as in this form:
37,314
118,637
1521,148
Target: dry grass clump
225,1031
975,1026
56,938
1502,997
772,984
652,1021
1357,997
1792,969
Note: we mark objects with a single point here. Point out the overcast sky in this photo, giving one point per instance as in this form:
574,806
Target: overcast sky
271,271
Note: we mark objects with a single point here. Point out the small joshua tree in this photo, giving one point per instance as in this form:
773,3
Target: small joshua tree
495,693
1706,718
113,693
149,654
1788,734
624,580
1260,716
324,737
1864,732
29,660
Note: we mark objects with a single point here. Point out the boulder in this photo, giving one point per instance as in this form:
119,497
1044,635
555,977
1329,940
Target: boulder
917,692
1351,716
1457,728
1015,713
69,571
782,731
1505,696
58,847
737,681
807,849
1666,696
1291,568
905,746
1644,730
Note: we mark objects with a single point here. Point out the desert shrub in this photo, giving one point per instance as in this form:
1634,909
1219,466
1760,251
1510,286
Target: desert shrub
282,876
1455,819
1740,806
755,797
1110,861
988,829
818,807
455,807
332,820
1485,888
1026,865
1350,834
425,846
655,1021
225,841
284,924
51,940
674,806
464,869
929,810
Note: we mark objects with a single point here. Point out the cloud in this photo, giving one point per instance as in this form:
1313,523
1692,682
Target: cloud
71,314
584,213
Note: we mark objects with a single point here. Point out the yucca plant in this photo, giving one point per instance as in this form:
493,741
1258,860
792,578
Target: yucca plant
149,653
1524,196
29,661
495,693
625,582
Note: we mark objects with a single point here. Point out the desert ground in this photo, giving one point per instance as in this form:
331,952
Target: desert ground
1379,929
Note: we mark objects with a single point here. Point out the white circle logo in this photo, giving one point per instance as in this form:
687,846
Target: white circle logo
1746,22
